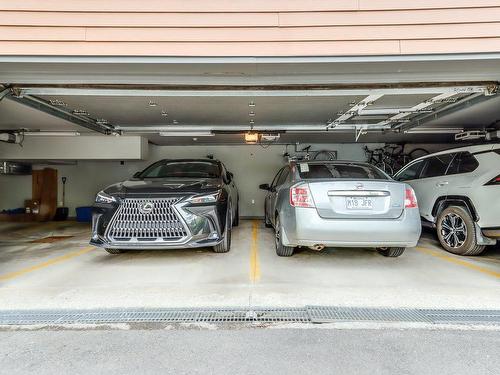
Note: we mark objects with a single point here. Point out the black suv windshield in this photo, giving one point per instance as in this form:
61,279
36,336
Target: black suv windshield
194,169
340,170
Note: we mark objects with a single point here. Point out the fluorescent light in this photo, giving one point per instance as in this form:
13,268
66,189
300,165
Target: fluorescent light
434,131
52,134
186,134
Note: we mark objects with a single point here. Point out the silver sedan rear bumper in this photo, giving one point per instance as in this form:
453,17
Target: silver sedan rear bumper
304,227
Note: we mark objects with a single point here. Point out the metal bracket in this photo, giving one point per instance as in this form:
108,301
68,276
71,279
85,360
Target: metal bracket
359,131
354,110
46,107
482,240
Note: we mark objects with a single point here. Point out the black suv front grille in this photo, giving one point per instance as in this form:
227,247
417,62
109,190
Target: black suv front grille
146,220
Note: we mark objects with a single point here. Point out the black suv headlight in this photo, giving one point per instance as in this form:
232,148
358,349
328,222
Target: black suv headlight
204,199
102,197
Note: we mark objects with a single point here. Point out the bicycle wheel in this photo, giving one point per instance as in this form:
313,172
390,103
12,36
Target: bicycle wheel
325,155
417,153
393,150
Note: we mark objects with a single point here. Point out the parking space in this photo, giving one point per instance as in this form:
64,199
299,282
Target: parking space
68,273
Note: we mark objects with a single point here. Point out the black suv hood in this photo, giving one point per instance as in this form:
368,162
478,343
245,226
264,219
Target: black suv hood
141,187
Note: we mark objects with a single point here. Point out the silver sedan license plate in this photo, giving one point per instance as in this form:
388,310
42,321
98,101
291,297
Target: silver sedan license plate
358,203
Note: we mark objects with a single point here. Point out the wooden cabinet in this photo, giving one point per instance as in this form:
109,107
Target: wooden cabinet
45,192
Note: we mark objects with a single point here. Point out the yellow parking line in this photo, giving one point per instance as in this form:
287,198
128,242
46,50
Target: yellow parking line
50,262
254,253
458,261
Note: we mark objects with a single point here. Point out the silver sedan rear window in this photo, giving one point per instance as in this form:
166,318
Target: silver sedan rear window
333,170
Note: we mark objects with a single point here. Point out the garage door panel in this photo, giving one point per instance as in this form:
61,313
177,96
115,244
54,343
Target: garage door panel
210,110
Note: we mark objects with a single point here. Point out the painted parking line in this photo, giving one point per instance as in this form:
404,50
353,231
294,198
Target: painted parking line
254,253
460,262
48,263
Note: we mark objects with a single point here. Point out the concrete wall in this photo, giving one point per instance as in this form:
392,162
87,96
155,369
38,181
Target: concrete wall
251,165
248,28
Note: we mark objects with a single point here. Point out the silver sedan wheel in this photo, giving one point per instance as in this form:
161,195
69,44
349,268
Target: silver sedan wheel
453,230
277,232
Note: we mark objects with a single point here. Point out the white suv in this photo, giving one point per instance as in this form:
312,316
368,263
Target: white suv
458,192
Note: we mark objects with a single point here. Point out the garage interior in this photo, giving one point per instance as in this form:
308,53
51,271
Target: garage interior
98,122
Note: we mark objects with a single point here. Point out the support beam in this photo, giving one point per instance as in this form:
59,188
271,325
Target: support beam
85,147
44,106
403,117
263,91
143,129
448,110
4,93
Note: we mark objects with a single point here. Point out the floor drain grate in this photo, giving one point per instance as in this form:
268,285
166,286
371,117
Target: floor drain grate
308,314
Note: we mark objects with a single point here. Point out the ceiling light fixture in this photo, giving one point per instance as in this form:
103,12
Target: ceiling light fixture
164,113
52,134
251,114
186,134
434,131
251,104
175,122
152,103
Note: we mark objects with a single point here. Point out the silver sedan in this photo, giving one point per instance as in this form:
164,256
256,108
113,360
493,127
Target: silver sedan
318,204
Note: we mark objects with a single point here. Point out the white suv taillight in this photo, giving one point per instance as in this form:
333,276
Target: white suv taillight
300,196
495,181
410,199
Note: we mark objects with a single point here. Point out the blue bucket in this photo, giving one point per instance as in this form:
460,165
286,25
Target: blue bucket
84,214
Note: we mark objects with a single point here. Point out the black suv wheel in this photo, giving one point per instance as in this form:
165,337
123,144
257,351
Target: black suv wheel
114,251
225,245
457,233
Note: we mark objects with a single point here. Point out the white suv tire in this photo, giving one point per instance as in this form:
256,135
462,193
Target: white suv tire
457,232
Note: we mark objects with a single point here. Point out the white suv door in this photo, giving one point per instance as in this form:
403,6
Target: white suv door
461,174
428,178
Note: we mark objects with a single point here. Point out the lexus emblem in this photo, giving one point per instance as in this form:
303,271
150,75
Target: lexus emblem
359,186
146,207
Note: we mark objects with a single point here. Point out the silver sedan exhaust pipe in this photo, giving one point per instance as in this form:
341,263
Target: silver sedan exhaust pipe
317,247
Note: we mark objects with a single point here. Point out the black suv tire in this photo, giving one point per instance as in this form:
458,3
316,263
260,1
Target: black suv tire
114,251
225,245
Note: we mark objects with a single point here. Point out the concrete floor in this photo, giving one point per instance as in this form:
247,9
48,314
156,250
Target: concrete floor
72,274
251,351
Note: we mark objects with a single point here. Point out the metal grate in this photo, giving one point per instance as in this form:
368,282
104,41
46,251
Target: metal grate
308,314
220,315
320,314
135,222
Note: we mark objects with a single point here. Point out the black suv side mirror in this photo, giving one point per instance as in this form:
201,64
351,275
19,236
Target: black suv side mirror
265,187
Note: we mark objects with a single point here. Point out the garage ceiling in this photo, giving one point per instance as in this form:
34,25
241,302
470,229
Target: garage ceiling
324,100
